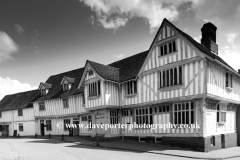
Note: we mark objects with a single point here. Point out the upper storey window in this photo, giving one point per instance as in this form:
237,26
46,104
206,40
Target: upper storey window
170,77
131,87
167,48
229,80
94,89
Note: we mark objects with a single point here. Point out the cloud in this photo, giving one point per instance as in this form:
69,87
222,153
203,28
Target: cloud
112,14
10,86
119,56
7,47
19,29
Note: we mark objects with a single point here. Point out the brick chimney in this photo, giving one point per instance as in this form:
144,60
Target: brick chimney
238,71
209,37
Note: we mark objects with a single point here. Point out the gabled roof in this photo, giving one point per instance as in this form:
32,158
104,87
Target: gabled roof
57,89
68,79
45,85
107,72
19,100
199,46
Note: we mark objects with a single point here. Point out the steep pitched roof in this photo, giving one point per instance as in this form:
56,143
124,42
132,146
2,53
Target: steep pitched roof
57,89
19,100
130,66
199,46
107,72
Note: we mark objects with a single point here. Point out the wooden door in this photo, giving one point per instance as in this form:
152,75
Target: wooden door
42,129
99,122
76,129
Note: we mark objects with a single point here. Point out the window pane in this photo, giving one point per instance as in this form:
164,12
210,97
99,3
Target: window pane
180,74
187,117
175,76
179,118
160,79
226,79
167,78
192,117
174,46
170,47
175,117
183,117
161,50
171,77
163,78
165,49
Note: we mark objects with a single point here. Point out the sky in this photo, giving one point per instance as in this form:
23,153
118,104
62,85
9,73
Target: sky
40,38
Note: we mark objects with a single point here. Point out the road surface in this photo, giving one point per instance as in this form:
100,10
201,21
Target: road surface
45,149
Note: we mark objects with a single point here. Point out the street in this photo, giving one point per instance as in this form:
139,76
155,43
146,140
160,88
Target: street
45,149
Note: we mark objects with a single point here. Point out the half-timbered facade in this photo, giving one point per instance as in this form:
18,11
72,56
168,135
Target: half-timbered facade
61,105
176,82
17,115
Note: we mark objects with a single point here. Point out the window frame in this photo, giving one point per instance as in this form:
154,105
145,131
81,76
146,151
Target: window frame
94,89
144,115
167,77
114,117
43,92
41,105
20,127
228,79
65,103
49,125
189,111
20,111
131,88
167,48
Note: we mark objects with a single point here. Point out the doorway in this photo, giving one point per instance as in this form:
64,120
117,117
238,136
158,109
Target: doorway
42,128
99,122
76,126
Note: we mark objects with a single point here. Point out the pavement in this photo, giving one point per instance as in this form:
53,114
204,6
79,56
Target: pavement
152,148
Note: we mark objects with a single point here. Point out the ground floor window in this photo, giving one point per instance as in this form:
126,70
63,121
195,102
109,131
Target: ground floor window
90,121
162,108
114,117
66,122
48,125
183,113
20,125
144,116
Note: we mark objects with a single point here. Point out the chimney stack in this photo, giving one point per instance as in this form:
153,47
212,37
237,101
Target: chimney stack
209,37
238,71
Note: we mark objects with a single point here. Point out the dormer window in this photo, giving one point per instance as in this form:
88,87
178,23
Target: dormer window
43,92
65,87
44,88
67,83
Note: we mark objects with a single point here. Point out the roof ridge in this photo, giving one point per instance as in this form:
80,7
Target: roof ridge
21,92
67,71
128,57
102,64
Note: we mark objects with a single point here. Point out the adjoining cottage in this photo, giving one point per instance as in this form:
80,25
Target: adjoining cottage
16,114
